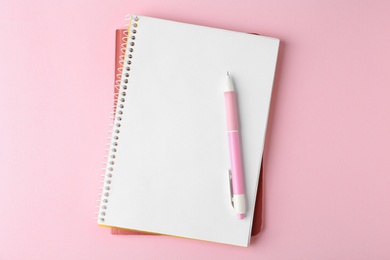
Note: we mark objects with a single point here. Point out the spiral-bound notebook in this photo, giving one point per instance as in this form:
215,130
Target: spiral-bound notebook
168,160
120,49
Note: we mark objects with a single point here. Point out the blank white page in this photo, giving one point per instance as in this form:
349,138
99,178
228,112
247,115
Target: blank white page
169,174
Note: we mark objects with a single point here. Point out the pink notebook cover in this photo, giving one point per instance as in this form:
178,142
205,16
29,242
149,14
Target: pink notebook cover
120,45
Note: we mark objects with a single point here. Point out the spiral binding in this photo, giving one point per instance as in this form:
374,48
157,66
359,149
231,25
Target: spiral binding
127,48
118,75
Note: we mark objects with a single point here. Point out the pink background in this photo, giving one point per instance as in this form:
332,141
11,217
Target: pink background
326,161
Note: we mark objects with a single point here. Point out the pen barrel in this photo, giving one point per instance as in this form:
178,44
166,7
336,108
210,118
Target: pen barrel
234,142
231,111
236,163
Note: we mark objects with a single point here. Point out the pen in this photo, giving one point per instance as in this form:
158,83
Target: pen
237,174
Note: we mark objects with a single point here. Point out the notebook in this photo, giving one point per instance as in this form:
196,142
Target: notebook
120,49
168,160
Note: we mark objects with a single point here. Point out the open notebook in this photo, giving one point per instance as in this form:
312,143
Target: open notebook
168,161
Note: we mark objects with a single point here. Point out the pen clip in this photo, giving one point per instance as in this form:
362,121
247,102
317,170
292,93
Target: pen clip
230,187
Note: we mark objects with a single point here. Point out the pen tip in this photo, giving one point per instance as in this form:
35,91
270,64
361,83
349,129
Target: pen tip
229,83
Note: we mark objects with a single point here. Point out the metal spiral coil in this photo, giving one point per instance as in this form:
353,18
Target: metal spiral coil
121,85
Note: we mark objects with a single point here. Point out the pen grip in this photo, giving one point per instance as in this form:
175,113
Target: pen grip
236,163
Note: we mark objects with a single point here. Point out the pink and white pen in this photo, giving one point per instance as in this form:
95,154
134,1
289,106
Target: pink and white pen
237,173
